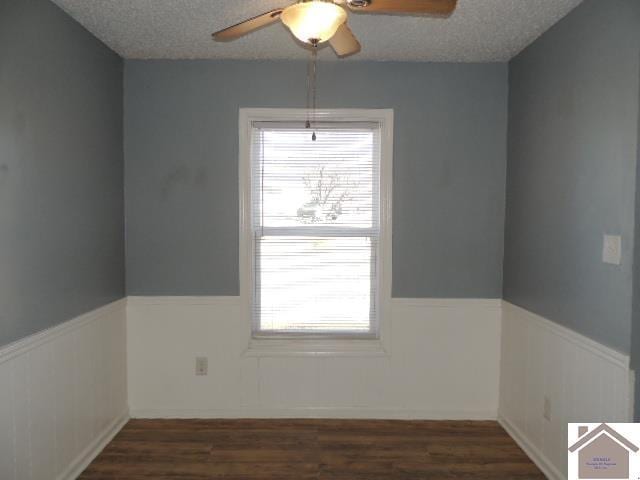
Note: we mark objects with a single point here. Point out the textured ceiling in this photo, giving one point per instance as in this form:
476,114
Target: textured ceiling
479,31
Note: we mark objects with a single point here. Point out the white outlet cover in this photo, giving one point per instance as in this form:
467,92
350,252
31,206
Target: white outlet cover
612,249
546,409
202,366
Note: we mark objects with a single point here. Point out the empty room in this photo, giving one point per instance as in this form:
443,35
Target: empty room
319,239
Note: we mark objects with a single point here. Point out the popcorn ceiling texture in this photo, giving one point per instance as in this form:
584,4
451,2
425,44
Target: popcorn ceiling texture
479,31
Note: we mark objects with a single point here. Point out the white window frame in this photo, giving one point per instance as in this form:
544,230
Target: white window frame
275,345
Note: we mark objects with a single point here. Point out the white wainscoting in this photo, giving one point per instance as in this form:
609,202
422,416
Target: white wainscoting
583,380
442,363
63,395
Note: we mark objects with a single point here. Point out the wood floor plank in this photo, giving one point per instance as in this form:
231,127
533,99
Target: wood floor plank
311,450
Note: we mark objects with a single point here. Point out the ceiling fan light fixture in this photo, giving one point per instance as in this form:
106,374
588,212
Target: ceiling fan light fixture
314,21
359,3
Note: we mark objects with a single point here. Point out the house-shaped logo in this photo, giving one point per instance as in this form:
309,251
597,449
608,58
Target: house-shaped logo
602,453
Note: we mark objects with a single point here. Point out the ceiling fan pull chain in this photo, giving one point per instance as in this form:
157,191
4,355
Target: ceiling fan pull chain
314,84
312,70
309,70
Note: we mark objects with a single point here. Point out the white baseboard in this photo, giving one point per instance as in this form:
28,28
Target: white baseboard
536,456
93,449
322,413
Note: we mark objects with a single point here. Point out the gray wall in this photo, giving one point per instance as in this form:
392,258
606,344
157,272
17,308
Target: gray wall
61,168
635,319
573,130
181,150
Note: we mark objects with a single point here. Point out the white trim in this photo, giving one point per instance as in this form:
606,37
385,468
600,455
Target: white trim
492,303
607,353
26,344
382,116
223,301
318,412
327,114
185,300
94,449
311,347
237,300
536,456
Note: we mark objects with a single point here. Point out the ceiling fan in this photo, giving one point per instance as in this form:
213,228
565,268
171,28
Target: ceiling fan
317,21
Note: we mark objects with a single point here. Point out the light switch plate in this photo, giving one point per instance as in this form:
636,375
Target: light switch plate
612,249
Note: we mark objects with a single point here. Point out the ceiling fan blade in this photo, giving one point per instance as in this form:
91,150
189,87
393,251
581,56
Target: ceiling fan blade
439,8
344,42
248,26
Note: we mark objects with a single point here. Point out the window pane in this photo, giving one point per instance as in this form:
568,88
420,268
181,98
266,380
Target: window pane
332,181
315,285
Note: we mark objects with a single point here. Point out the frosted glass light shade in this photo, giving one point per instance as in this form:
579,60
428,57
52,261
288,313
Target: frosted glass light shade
315,21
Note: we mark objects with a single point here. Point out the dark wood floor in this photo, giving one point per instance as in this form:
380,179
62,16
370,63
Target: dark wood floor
311,449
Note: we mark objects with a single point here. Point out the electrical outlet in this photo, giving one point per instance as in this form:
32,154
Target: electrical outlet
546,410
202,366
612,249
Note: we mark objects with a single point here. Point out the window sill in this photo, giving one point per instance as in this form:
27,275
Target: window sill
278,347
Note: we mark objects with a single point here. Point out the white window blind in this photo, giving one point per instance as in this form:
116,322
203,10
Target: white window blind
316,228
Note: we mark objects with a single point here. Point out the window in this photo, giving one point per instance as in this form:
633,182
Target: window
313,215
